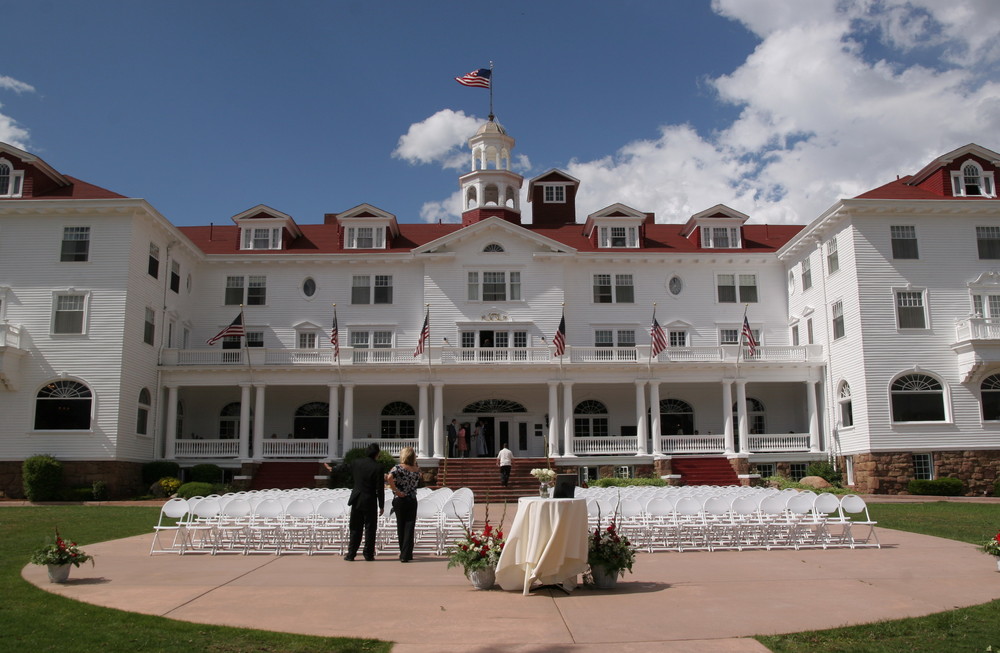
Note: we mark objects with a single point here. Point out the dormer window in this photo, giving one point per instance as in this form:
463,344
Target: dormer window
972,181
619,237
10,180
365,238
554,194
261,238
720,237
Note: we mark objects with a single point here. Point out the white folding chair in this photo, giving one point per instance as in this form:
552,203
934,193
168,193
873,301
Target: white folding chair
331,525
852,504
174,509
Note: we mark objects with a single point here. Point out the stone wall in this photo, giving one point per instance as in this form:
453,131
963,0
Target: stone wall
890,473
123,479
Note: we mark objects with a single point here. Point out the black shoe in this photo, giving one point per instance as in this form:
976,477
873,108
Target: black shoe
369,559
349,558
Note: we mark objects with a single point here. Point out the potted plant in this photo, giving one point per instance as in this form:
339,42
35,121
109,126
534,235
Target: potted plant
545,478
992,547
58,555
609,554
478,553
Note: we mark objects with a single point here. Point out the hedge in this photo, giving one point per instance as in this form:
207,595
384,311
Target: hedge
42,478
939,487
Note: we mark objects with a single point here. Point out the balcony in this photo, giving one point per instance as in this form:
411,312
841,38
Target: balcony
977,345
10,356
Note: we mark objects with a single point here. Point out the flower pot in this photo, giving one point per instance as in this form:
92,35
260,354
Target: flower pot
997,558
59,573
603,578
483,578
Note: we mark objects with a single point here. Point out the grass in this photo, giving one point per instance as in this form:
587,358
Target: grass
966,629
35,620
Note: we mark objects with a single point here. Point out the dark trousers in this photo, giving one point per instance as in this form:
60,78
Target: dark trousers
364,520
405,509
504,475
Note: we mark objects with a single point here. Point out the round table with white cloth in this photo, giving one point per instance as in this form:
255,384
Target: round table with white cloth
546,543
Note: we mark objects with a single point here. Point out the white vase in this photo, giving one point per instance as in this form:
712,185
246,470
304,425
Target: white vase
59,573
483,578
997,558
604,579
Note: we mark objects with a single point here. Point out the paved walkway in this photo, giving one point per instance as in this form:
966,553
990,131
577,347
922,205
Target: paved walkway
674,602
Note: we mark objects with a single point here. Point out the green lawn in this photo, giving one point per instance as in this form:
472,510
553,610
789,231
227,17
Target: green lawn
32,620
966,629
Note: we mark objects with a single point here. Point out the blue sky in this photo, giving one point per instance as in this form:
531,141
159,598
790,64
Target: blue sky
209,108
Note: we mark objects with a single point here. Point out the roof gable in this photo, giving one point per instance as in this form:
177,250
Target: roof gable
494,224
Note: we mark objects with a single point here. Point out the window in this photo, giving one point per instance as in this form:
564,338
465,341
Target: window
10,180
795,335
986,306
622,338
362,291
69,313
63,406
234,291
807,275
398,420
988,241
364,340
256,291
495,286
832,257
149,327
729,336
972,181
797,471
229,421
255,338
312,421
142,414
910,309
175,276
554,194
729,292
917,398
622,292
990,397
365,238
262,238
809,331
846,407
720,237
677,338
756,417
618,237
75,244
590,419
837,311
676,417
904,241
493,248
923,467
306,340
153,268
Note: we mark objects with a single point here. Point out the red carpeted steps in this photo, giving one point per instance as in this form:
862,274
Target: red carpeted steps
704,471
482,476
285,475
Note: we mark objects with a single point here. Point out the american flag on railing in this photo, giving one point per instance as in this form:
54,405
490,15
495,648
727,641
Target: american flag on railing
335,336
659,338
425,335
560,338
234,329
747,335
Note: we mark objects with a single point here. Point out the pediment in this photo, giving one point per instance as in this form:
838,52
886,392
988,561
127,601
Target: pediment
495,229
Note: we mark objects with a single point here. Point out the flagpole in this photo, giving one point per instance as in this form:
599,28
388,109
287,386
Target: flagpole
491,91
427,318
649,361
336,349
246,350
739,352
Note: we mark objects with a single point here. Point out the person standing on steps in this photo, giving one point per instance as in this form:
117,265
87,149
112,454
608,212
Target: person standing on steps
366,496
505,460
452,438
463,441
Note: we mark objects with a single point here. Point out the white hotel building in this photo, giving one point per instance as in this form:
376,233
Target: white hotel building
877,331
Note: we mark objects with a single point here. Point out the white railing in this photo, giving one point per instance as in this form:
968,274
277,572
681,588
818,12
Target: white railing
319,448
776,442
451,355
206,448
670,444
298,356
605,444
977,328
604,354
10,336
392,445
695,354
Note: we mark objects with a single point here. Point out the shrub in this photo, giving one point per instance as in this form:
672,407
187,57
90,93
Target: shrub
42,478
939,487
99,490
157,469
189,490
996,488
85,493
169,485
825,470
206,473
627,482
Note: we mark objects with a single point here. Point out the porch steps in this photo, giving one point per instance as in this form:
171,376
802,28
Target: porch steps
482,476
704,471
285,475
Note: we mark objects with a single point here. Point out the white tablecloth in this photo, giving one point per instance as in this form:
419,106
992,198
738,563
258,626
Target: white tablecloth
546,543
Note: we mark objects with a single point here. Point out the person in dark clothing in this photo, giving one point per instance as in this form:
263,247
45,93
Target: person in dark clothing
367,503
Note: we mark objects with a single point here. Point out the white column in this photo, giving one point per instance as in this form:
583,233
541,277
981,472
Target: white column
654,409
258,422
423,439
741,412
568,419
440,446
333,420
727,415
640,418
171,427
348,417
813,416
245,419
553,418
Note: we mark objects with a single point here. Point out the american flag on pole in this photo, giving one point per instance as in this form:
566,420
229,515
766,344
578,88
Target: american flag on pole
747,335
658,337
480,78
335,337
234,329
560,338
425,335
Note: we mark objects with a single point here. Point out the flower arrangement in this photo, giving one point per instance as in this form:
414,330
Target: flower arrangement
610,550
60,552
544,475
477,550
992,547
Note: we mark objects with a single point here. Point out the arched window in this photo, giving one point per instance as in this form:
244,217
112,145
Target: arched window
10,180
470,198
493,248
142,415
756,417
4,178
972,181
312,421
917,398
846,407
491,194
990,390
229,421
590,418
63,406
494,406
398,420
676,417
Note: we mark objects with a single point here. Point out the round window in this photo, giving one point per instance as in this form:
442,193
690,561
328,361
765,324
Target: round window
675,285
309,287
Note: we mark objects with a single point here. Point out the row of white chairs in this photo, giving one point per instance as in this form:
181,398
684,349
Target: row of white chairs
298,521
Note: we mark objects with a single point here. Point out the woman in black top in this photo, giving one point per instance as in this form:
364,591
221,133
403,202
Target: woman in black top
404,479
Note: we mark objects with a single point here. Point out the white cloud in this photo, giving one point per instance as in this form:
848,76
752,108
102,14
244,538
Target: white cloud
11,84
439,139
10,131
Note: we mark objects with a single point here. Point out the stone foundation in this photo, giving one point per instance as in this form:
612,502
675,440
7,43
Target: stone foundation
123,479
890,473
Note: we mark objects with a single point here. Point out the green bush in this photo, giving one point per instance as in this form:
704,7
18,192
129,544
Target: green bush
99,491
157,469
939,487
42,478
627,482
189,490
84,493
169,485
996,488
206,473
825,470
782,483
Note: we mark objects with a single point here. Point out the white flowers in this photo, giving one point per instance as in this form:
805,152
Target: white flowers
544,475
